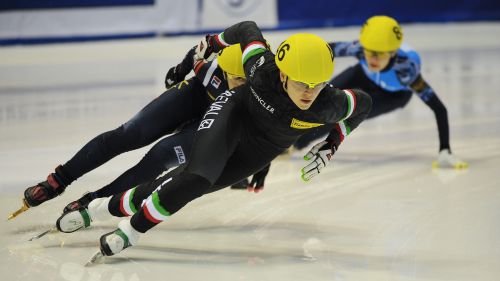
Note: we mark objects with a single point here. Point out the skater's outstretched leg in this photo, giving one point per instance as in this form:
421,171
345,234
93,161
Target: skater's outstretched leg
174,107
35,195
54,185
119,205
169,152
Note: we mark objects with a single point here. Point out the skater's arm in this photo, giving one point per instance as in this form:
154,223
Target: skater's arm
357,105
346,49
445,157
244,33
247,34
179,72
429,97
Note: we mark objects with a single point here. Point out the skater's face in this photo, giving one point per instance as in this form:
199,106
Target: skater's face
300,93
234,81
377,61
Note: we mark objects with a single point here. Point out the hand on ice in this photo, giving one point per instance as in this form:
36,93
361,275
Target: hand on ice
447,160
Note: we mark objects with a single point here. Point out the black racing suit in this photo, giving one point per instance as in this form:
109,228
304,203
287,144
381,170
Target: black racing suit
242,131
176,107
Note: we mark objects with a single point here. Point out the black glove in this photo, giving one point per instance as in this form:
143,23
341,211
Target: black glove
179,72
257,183
174,76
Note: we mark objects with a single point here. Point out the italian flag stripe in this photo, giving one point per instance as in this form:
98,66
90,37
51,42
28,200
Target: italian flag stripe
351,103
253,49
122,209
126,203
197,66
220,40
153,207
338,128
131,204
346,130
148,216
343,129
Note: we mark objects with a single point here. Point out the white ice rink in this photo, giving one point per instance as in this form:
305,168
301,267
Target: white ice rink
380,212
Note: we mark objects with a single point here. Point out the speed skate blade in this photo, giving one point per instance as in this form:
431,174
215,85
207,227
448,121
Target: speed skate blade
54,229
21,210
96,258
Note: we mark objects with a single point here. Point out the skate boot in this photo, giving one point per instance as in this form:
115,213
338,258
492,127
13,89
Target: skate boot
55,184
83,202
240,185
118,240
74,220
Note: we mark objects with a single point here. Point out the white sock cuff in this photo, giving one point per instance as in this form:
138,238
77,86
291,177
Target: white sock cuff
132,234
98,209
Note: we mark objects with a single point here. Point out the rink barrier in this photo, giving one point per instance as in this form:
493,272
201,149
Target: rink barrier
42,19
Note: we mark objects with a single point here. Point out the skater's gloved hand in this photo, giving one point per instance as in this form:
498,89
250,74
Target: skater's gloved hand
174,76
207,48
446,159
318,157
257,183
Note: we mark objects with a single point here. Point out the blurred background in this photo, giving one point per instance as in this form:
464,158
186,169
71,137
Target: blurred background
42,21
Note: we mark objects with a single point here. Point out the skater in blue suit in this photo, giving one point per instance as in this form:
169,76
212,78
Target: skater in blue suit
389,72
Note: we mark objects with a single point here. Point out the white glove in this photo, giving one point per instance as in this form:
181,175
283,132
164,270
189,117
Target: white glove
446,159
319,156
206,48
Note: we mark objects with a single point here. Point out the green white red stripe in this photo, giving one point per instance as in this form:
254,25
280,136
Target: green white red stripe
220,40
343,129
153,210
197,65
126,205
351,103
252,49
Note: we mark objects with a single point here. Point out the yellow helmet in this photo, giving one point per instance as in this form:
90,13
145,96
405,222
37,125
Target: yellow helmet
306,58
230,60
381,34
